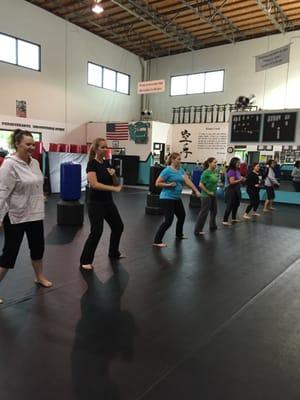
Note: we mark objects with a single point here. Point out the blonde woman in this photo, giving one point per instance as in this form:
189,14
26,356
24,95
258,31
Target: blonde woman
102,182
171,180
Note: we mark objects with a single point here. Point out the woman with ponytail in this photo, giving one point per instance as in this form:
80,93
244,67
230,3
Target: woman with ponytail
102,181
171,180
22,206
208,186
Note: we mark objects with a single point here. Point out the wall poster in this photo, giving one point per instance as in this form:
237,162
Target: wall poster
197,142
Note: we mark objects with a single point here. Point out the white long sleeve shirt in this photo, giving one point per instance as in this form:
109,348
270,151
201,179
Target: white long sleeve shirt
296,174
271,179
21,190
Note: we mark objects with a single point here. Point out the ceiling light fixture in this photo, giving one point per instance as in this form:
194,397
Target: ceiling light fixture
97,9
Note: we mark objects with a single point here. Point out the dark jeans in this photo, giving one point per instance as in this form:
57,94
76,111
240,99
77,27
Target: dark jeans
270,192
208,204
296,186
171,208
98,212
254,200
233,200
13,236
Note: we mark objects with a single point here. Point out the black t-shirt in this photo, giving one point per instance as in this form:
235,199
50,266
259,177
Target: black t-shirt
252,180
102,177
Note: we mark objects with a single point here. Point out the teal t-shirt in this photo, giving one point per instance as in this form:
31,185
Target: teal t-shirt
210,181
171,175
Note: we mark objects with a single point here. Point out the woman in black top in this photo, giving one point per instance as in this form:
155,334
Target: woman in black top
253,186
102,182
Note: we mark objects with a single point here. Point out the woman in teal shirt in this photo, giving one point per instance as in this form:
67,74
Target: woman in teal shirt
171,180
208,185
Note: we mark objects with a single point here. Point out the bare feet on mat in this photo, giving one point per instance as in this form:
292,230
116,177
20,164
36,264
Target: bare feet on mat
86,267
161,245
43,282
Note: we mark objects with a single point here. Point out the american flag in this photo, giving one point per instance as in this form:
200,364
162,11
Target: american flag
117,131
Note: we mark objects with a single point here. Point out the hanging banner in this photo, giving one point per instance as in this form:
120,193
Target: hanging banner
151,86
272,58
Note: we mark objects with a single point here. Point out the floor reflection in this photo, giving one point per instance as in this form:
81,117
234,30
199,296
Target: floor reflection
104,332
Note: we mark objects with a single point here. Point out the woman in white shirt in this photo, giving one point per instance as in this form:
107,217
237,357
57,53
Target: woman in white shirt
270,183
22,206
296,176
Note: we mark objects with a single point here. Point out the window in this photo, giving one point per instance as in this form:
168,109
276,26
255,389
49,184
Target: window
195,83
8,47
122,83
94,75
107,78
214,81
5,138
28,55
178,85
204,82
20,52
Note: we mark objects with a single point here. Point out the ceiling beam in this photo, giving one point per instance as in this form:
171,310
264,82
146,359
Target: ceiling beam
144,12
222,25
140,44
275,14
147,48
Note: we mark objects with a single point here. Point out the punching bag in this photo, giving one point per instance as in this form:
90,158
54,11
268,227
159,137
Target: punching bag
70,181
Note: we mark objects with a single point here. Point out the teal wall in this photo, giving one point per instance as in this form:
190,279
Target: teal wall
280,196
144,170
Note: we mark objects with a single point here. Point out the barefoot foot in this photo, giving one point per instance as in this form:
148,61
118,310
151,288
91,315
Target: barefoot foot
86,267
161,245
42,281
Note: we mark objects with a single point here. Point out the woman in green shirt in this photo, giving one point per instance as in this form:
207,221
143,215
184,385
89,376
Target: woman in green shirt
208,185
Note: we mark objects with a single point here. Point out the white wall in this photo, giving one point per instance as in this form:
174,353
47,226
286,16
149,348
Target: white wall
161,133
60,92
275,88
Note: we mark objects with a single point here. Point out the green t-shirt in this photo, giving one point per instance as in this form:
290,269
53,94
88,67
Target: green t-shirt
210,181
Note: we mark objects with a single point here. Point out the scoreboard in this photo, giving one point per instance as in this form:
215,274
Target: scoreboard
279,127
246,127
